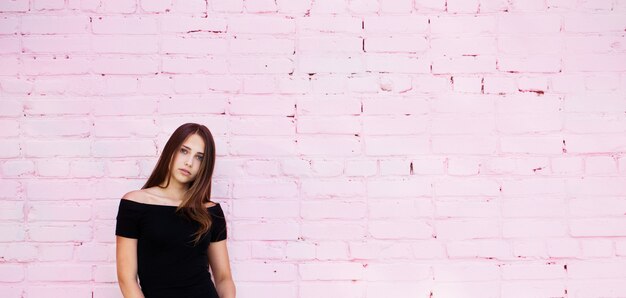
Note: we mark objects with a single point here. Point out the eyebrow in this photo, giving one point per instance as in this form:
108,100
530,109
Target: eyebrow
201,153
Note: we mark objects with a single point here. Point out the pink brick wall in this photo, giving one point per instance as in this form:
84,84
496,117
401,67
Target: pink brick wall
390,148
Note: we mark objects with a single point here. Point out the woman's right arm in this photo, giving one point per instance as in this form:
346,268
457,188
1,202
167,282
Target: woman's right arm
126,254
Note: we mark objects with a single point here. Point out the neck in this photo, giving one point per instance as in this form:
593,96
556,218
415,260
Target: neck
175,190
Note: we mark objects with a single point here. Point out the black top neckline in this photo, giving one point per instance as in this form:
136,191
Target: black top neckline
146,204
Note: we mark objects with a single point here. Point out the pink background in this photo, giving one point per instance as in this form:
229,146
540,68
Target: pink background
406,148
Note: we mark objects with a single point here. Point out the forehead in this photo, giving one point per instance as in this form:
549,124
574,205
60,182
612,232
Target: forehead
194,143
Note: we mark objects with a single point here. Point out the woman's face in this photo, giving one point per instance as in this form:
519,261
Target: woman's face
188,158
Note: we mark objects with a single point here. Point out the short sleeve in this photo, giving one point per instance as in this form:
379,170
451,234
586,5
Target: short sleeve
128,215
218,227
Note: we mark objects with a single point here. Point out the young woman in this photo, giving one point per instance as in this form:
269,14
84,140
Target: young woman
169,232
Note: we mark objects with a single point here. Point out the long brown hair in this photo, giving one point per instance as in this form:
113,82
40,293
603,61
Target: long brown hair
199,192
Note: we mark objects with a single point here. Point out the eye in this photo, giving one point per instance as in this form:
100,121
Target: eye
199,158
183,150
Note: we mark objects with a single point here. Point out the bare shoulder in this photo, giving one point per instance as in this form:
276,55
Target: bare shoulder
135,195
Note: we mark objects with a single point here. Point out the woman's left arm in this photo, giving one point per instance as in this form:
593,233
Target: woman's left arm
220,266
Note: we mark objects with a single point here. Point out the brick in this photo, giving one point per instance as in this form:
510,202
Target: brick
465,209
530,207
532,186
396,24
59,272
395,6
340,187
600,102
333,210
56,65
463,25
125,65
120,6
124,25
538,123
54,24
527,6
594,44
594,62
9,45
311,289
462,6
465,46
59,291
596,269
261,24
461,229
333,230
9,25
430,5
280,209
227,6
529,64
600,165
533,228
499,85
155,6
120,44
605,143
294,6
191,65
533,270
552,288
14,6
376,62
395,44
493,5
335,24
469,145
193,45
465,271
55,127
263,6
331,271
261,187
10,66
250,65
454,124
45,232
332,125
585,23
56,44
363,6
379,145
248,230
48,5
12,273
265,271
467,84
464,64
481,248
527,44
341,44
336,63
194,7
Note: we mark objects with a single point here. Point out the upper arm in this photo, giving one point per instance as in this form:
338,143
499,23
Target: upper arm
126,241
218,260
126,259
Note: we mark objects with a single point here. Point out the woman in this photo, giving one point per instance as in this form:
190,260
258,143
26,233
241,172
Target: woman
169,232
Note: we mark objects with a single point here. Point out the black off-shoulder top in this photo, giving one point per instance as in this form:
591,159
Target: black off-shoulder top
168,262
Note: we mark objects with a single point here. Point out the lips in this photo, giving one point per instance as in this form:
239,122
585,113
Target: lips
185,172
